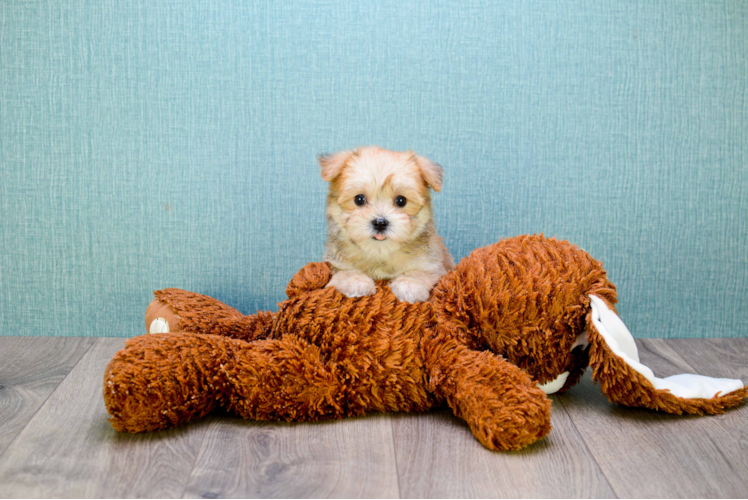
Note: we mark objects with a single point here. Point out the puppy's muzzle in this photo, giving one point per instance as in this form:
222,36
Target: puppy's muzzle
380,224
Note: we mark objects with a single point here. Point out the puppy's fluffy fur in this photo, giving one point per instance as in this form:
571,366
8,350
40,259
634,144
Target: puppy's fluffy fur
380,224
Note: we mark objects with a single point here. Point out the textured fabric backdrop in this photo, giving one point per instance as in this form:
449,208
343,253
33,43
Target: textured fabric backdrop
149,144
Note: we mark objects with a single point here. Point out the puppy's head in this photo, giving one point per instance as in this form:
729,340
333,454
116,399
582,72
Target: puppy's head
379,199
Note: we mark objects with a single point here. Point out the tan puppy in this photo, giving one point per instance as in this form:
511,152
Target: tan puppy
380,225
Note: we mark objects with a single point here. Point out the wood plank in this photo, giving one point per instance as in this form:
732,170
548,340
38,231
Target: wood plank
645,454
727,358
68,449
349,458
31,368
438,457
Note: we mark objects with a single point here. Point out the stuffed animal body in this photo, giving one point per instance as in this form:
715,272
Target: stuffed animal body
512,322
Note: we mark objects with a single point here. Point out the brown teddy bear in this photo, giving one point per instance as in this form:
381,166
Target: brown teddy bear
512,322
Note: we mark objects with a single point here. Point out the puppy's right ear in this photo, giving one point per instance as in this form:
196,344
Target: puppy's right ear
332,164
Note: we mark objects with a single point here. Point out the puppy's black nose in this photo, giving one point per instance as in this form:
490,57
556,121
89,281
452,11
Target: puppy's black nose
380,224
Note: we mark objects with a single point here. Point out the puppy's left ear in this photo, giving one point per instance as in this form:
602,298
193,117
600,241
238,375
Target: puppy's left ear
332,164
432,172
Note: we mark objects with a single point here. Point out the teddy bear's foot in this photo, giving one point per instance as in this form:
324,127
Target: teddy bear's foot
160,318
175,310
158,381
615,362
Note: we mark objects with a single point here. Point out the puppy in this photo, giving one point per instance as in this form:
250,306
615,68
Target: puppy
380,225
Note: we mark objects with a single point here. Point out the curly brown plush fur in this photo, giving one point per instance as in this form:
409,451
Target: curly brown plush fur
505,319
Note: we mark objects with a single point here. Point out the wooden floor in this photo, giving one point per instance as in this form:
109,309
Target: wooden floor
55,441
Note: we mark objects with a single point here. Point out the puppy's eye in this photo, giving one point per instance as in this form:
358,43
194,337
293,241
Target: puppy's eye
360,200
400,201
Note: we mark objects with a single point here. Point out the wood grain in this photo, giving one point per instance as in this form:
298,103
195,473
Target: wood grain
728,433
726,358
644,453
61,445
31,368
438,457
68,449
350,458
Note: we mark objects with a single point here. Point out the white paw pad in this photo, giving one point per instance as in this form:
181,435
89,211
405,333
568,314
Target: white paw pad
554,385
159,325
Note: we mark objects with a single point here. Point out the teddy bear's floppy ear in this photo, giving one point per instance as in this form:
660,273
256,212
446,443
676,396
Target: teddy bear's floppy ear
432,172
614,359
332,164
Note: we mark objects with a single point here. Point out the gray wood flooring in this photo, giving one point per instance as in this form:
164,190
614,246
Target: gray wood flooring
55,441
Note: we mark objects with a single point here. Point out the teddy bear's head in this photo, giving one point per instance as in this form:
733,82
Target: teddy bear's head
519,296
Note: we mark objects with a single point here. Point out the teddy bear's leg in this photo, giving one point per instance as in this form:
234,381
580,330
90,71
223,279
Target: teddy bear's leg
623,379
501,403
161,380
175,310
289,379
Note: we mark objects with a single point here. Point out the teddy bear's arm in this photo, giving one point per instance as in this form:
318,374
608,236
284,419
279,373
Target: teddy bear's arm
500,402
312,276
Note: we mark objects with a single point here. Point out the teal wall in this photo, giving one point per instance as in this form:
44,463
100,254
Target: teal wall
149,144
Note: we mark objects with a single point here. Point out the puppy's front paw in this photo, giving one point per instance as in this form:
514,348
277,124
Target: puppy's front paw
409,289
353,283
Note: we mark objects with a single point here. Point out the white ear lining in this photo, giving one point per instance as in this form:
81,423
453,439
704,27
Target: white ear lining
621,342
